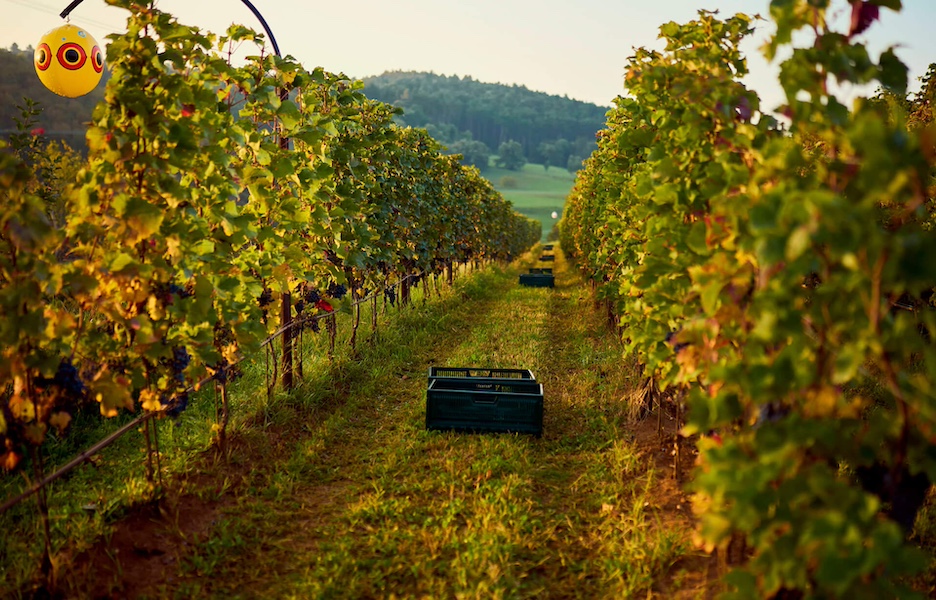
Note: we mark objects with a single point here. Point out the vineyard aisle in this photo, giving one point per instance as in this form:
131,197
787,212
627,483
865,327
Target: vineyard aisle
352,498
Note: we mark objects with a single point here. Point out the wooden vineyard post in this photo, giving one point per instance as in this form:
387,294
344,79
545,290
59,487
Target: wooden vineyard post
271,378
222,412
150,474
356,317
153,467
404,290
286,321
159,479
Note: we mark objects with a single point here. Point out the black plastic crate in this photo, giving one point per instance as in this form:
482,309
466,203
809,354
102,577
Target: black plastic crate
548,247
481,374
546,280
541,271
547,257
485,406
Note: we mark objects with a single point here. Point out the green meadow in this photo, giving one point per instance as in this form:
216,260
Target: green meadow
534,191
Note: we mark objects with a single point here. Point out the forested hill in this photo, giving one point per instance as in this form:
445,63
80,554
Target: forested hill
450,107
468,116
62,118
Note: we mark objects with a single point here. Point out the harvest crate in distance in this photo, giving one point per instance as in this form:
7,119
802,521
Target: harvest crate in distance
547,258
537,280
485,405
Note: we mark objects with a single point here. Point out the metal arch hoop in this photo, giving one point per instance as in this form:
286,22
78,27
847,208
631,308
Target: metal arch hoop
64,14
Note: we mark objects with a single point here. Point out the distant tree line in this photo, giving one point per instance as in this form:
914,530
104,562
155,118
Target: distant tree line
477,119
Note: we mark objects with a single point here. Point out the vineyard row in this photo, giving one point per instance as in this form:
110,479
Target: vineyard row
217,204
778,277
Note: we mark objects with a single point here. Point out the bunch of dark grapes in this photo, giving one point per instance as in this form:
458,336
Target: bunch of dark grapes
168,292
906,493
336,291
266,298
332,257
771,412
67,379
390,293
179,404
220,372
671,340
315,325
180,360
181,292
311,296
300,306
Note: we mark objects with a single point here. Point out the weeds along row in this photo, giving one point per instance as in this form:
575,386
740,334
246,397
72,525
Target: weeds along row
217,205
778,277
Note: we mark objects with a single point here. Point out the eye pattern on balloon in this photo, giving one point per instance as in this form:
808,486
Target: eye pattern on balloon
69,61
43,57
97,60
71,56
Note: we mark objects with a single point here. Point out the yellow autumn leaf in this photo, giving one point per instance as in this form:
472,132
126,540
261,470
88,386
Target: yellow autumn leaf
154,308
19,384
35,432
149,400
58,323
60,421
22,408
9,460
110,394
173,245
822,402
230,353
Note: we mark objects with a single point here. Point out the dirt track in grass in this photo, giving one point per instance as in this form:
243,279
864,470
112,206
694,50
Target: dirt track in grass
348,496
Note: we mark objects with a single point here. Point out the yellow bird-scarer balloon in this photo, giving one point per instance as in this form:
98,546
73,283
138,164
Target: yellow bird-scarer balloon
69,61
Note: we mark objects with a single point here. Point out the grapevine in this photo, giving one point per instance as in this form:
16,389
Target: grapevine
756,267
192,218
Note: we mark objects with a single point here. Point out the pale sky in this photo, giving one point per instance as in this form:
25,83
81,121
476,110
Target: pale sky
572,47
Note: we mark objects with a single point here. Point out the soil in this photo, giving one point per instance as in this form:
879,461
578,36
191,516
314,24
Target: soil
697,574
147,545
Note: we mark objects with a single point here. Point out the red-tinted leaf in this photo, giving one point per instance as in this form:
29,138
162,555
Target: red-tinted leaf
863,14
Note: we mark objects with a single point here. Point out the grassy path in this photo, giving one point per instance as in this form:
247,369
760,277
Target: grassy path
341,493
